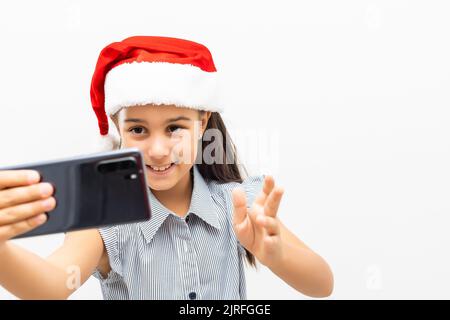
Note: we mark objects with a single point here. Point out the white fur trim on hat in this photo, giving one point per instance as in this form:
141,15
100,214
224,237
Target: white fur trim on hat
107,142
140,83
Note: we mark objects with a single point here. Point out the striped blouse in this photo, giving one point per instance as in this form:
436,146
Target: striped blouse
169,257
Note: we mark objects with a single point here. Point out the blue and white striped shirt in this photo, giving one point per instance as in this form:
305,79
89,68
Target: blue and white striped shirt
169,257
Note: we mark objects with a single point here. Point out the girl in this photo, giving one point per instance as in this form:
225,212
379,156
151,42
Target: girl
160,94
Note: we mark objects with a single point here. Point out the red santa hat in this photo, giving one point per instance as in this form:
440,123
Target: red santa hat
158,70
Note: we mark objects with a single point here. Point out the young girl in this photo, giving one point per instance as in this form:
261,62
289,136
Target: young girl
160,93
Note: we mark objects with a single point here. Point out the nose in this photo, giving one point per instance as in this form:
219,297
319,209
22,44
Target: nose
159,147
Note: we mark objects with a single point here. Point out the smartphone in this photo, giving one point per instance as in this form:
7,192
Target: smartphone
94,190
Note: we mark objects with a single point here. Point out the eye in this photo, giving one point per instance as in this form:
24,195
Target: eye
174,128
134,128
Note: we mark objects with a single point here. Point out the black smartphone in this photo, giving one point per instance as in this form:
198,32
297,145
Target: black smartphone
94,190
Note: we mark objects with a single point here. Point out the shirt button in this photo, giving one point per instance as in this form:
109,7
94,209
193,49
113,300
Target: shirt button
192,295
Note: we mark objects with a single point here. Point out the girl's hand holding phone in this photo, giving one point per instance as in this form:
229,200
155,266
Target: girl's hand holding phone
23,202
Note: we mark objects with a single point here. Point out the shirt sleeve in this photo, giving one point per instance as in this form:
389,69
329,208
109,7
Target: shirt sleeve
110,239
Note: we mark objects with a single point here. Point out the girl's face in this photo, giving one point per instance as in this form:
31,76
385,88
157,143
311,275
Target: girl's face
167,136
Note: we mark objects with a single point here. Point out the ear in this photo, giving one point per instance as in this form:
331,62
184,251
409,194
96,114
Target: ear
204,119
115,119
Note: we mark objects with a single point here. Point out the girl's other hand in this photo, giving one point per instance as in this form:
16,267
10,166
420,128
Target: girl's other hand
258,228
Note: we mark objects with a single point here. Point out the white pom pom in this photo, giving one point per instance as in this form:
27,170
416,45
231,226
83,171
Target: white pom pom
106,143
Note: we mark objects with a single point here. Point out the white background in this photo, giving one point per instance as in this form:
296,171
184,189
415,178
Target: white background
356,94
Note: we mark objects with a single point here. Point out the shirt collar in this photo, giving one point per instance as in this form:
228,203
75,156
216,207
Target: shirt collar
202,205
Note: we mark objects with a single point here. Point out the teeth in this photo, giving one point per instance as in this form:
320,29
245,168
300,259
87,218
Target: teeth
160,168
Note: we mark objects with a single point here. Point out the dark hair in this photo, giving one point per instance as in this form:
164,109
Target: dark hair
226,170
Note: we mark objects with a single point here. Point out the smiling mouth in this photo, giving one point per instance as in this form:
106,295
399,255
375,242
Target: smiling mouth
160,168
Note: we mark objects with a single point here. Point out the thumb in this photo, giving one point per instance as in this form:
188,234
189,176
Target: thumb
240,205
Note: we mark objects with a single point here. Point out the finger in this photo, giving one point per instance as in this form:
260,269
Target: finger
273,202
254,215
19,195
270,244
270,224
25,211
12,230
268,185
244,226
17,178
240,205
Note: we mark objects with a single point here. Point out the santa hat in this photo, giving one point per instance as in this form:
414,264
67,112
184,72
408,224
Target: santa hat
146,69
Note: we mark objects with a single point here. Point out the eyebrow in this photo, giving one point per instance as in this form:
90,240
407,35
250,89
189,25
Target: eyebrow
167,121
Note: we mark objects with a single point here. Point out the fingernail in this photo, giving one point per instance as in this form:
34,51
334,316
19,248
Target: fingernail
41,218
48,203
33,176
46,189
